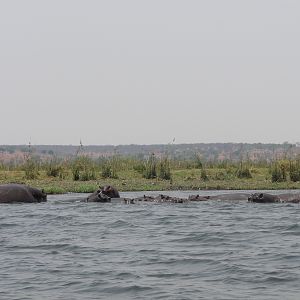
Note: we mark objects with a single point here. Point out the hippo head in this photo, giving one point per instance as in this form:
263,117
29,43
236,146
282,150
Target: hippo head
264,198
98,196
109,191
39,195
256,197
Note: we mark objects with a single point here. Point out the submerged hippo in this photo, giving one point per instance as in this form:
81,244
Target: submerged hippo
221,197
104,194
264,198
198,198
290,197
14,193
157,199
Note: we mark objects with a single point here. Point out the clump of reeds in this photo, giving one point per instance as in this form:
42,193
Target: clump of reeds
83,169
164,168
55,168
110,167
295,170
197,161
278,172
203,174
150,167
243,172
31,167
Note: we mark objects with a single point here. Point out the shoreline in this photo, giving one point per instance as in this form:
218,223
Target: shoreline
130,181
63,187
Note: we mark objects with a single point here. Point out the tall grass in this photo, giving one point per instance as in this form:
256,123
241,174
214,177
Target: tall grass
295,170
110,167
83,168
150,167
31,167
131,171
164,168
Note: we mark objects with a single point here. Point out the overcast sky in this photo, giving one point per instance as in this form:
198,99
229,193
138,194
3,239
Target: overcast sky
144,72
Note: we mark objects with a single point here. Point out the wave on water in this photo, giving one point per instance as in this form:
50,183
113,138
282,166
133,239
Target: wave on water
66,249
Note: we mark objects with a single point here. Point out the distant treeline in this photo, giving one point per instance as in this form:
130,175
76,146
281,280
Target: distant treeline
234,152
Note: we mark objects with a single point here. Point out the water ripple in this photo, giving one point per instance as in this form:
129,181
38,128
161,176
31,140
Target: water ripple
67,249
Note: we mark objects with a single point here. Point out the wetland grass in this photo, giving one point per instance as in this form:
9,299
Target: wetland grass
84,175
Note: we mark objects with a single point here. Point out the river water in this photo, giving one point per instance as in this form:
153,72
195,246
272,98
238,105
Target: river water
67,249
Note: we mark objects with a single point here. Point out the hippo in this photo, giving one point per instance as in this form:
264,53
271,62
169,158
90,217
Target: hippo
110,191
290,197
157,199
104,194
221,197
198,198
231,197
20,193
165,198
264,198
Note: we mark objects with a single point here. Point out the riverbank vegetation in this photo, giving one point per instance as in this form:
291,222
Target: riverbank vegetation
81,173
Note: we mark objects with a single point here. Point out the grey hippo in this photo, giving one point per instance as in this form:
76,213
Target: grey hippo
104,194
269,198
221,197
20,193
157,199
290,197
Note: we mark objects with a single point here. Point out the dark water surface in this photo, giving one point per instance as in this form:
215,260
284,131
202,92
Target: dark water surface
66,249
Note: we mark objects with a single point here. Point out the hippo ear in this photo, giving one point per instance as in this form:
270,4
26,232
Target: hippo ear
261,195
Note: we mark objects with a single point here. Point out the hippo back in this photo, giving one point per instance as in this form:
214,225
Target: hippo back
14,193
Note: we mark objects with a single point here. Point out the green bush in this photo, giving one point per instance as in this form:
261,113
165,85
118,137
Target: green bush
295,175
150,167
139,167
110,167
54,168
83,169
295,171
106,171
197,161
278,173
220,175
164,169
31,168
243,173
203,174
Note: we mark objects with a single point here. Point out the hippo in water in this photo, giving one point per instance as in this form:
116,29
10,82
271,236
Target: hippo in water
268,198
221,197
14,193
104,194
264,198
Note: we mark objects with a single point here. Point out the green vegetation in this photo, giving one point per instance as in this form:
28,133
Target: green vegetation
82,173
295,170
31,168
83,168
150,167
164,169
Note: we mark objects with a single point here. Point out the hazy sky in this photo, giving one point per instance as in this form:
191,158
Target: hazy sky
144,72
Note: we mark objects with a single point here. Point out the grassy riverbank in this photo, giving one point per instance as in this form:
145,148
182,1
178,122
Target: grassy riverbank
130,180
